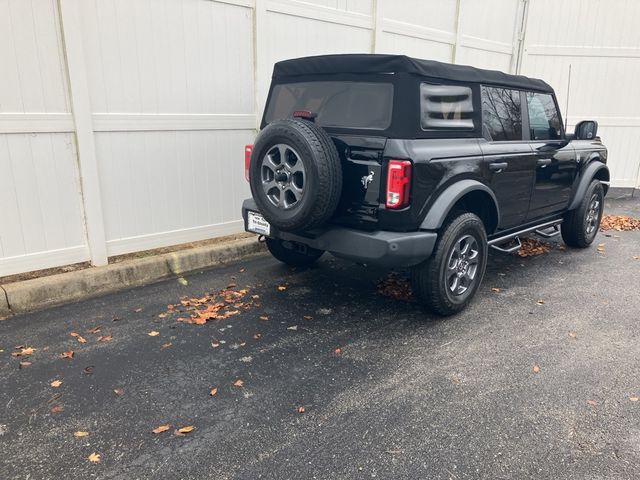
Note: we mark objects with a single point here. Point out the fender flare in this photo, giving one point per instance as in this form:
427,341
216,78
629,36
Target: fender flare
448,198
588,175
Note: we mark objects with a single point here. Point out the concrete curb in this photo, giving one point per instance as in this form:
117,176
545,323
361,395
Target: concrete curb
45,292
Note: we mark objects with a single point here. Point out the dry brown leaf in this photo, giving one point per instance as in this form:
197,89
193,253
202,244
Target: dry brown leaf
166,345
215,344
88,370
495,290
105,338
68,354
93,330
282,288
540,302
213,392
57,409
161,428
257,336
536,369
395,286
186,429
94,457
56,383
307,317
593,403
80,434
153,333
300,409
634,398
78,337
337,351
137,310
118,391
238,383
24,364
264,317
24,351
572,334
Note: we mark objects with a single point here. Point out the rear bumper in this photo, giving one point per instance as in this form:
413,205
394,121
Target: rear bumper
391,249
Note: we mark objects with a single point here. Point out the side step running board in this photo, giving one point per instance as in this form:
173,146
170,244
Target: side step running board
538,229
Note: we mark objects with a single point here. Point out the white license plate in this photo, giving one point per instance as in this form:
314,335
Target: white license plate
257,224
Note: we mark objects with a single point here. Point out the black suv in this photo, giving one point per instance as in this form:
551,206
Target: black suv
390,160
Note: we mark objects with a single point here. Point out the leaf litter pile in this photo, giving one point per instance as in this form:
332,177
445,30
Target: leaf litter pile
619,223
396,286
532,247
215,305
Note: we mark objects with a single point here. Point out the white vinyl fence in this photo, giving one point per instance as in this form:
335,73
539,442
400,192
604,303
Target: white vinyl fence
122,122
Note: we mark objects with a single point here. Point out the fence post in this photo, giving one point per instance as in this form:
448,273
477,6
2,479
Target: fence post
378,18
81,108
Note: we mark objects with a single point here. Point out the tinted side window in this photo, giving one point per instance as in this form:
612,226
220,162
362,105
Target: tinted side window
544,121
501,114
446,106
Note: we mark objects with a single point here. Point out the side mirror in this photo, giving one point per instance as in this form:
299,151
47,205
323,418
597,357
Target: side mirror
586,130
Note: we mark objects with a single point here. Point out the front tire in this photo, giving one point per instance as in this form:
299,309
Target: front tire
581,225
447,281
292,253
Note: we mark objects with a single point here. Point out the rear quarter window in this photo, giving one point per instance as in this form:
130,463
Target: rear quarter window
342,104
446,107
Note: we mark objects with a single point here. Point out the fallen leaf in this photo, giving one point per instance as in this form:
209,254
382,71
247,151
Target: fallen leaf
137,310
162,315
213,392
282,288
241,270
337,351
257,336
94,457
153,333
215,344
105,338
80,434
536,369
292,327
56,383
264,317
161,428
166,345
183,281
634,398
307,317
532,247
78,337
593,403
118,391
572,334
68,354
601,248
540,302
57,409
238,383
93,330
495,290
393,452
396,286
242,344
300,409
88,370
619,223
183,430
24,364
24,351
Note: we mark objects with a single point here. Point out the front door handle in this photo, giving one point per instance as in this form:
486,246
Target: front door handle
543,162
498,167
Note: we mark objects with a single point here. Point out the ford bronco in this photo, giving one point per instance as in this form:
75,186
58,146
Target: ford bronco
400,162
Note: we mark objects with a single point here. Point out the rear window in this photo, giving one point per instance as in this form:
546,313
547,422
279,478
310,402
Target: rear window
356,105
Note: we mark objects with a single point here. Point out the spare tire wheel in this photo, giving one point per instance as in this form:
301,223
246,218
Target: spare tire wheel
295,174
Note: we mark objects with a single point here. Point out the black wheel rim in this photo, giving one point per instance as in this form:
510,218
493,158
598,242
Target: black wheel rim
283,176
462,268
592,218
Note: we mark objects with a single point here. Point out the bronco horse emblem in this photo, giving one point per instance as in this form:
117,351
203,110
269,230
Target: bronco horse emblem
367,179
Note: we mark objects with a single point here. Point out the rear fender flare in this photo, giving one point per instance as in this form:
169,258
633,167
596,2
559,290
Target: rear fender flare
587,177
449,197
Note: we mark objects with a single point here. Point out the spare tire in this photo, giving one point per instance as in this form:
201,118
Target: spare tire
295,174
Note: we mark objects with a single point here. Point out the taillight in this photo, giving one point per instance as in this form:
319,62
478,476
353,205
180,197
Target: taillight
398,183
247,160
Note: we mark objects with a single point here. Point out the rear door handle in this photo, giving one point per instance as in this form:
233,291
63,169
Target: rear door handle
498,167
543,162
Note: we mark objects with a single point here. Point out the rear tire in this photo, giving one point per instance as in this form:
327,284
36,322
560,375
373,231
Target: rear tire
581,225
447,281
292,253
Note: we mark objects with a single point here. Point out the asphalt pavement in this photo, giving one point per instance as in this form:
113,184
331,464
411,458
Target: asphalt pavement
318,375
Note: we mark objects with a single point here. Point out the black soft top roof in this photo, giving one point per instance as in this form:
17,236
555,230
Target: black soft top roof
376,64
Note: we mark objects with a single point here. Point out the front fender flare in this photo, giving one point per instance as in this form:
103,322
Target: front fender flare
586,178
449,197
